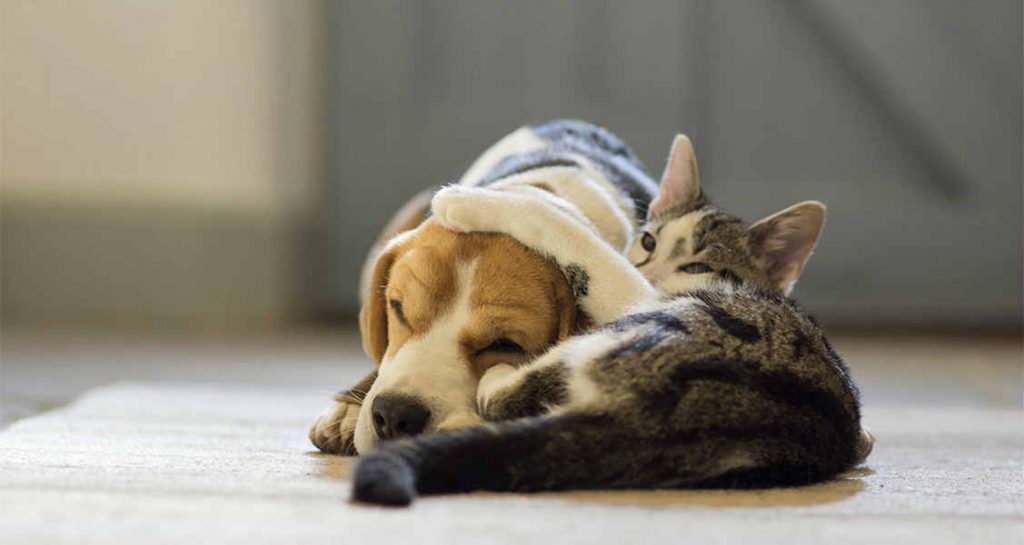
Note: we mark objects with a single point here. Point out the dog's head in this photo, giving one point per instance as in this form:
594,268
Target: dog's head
440,309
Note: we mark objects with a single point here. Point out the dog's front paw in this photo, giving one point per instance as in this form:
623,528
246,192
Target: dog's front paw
464,209
335,429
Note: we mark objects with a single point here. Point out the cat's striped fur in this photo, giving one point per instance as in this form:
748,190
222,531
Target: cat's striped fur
716,379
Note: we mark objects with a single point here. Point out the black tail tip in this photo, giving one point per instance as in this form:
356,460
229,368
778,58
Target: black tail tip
383,479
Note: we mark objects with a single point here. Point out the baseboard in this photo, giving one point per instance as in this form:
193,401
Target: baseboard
159,266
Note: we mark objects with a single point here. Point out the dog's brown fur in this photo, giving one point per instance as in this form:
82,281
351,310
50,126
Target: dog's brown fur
513,292
516,294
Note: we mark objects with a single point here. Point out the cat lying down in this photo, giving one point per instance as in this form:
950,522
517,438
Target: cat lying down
706,375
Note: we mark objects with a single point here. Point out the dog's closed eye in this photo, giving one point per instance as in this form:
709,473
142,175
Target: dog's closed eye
502,350
396,307
504,345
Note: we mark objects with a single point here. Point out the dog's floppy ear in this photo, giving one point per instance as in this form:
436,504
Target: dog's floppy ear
410,216
373,318
571,320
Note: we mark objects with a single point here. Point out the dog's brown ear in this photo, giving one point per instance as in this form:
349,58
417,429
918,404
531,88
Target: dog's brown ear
373,317
571,320
410,216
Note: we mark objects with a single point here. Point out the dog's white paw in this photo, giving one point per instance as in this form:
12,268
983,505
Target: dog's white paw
334,430
495,379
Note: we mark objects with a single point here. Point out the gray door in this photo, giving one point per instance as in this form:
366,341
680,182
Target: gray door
904,117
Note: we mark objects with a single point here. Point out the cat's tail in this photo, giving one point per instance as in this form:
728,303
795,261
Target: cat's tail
554,452
515,455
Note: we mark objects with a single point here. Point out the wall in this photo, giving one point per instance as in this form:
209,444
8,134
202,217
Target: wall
160,160
904,117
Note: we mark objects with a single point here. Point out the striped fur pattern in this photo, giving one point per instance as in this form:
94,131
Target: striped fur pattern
578,144
714,378
585,167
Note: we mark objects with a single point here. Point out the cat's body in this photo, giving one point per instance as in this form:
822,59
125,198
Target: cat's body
714,378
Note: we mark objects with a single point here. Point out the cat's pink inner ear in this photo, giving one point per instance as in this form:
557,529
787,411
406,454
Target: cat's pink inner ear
784,241
680,184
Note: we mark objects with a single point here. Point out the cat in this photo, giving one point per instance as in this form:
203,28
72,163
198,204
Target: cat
713,378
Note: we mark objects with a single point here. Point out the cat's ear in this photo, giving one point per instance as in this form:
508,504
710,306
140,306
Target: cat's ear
680,185
784,241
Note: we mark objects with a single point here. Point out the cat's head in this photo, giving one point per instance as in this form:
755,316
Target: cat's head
688,242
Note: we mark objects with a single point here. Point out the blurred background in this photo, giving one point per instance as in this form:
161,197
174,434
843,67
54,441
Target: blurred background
200,171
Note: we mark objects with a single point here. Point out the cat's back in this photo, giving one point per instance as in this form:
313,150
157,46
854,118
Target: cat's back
567,143
738,330
737,364
770,332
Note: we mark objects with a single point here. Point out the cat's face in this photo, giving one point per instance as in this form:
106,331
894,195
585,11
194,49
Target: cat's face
683,253
687,242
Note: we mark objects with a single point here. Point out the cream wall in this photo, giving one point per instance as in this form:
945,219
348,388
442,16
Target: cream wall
179,103
185,130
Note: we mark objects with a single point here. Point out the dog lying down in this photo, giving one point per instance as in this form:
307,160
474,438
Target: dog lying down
439,308
700,371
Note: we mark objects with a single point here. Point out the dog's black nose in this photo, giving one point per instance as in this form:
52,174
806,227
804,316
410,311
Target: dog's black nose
396,416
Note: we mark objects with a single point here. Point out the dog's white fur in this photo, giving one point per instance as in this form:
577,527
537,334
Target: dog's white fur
429,367
540,220
443,384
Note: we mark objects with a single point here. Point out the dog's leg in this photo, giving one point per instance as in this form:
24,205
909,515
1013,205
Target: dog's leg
604,282
335,428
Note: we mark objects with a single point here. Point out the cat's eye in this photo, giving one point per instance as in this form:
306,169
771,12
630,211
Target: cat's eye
505,346
648,242
694,268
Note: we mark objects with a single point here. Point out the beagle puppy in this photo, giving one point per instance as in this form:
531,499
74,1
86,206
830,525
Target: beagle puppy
439,307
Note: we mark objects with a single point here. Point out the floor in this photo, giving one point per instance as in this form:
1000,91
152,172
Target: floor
171,439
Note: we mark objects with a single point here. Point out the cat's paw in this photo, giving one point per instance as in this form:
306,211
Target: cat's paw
865,445
465,209
495,379
335,429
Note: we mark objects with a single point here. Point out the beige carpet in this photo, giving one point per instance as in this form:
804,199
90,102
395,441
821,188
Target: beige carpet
156,462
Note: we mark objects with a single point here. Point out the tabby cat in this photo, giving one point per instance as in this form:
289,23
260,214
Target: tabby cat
715,378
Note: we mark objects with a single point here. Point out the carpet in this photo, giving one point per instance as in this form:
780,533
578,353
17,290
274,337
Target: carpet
195,462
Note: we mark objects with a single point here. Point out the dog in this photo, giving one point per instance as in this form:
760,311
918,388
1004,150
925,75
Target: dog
439,307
